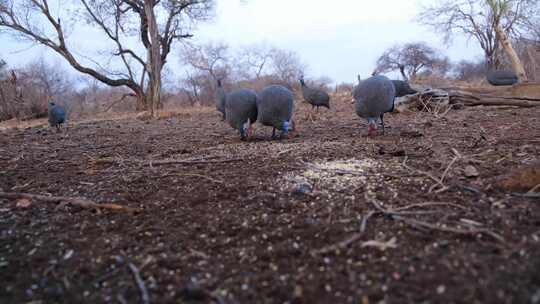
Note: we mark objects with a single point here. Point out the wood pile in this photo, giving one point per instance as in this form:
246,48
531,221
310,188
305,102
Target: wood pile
437,100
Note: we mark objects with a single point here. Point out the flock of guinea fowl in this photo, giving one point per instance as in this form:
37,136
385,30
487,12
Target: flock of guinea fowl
274,105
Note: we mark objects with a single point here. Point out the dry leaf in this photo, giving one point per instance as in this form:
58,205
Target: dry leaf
23,203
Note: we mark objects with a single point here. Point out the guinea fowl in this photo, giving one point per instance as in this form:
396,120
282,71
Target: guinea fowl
275,107
403,88
502,78
220,98
373,97
315,97
57,115
241,111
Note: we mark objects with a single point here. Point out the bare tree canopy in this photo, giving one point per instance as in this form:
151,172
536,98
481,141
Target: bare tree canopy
253,66
211,58
156,24
410,59
254,60
476,19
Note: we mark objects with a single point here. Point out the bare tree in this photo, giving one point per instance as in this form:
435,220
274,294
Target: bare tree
287,66
467,70
409,59
253,60
157,24
210,58
500,8
477,20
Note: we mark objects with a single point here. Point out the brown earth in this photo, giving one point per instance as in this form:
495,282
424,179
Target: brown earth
252,222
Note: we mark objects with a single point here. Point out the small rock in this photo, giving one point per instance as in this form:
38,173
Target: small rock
193,292
441,289
23,203
68,254
302,189
471,171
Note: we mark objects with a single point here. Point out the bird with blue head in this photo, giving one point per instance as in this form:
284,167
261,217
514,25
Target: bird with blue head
56,114
275,106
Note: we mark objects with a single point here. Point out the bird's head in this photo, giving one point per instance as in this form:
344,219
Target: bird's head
372,126
51,104
285,127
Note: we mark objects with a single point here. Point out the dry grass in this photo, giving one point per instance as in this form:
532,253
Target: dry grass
164,114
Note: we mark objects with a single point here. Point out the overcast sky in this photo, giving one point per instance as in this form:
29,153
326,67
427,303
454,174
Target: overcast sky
338,39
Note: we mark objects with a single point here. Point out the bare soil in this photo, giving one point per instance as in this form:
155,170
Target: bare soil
254,222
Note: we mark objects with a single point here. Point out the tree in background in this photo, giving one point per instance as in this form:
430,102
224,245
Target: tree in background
253,66
498,9
156,25
253,60
287,66
467,70
410,59
476,19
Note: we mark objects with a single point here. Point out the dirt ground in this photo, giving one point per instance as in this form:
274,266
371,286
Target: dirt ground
327,216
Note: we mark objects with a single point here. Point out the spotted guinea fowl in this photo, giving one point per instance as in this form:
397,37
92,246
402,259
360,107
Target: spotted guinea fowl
373,97
241,111
220,98
502,78
57,115
315,97
275,106
403,88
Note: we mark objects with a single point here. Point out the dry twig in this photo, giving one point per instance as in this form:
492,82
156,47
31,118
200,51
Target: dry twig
145,297
165,161
345,243
76,201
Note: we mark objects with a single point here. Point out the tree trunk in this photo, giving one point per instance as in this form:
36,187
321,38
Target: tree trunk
512,55
154,60
402,71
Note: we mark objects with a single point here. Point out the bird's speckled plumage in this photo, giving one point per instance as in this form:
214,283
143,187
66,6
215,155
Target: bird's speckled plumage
57,114
403,88
373,97
220,98
275,107
241,106
315,97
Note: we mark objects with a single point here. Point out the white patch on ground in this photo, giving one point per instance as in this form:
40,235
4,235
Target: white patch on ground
337,176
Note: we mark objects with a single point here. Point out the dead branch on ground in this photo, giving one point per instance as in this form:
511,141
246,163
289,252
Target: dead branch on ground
63,201
145,297
112,160
345,243
421,224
